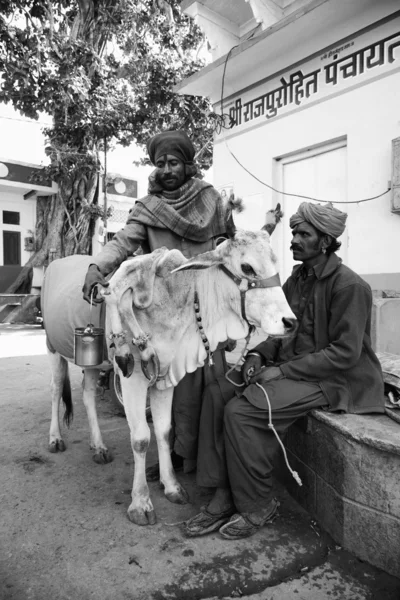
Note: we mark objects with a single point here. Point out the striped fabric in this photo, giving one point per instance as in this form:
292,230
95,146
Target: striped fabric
195,211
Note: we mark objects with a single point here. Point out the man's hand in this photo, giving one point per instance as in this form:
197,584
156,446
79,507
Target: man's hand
251,365
267,374
93,277
229,345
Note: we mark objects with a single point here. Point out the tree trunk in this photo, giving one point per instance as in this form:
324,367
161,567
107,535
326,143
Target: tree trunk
64,225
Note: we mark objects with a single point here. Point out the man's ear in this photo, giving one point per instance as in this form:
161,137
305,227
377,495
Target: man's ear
326,241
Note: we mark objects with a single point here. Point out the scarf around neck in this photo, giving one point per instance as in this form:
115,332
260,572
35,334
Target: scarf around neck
194,211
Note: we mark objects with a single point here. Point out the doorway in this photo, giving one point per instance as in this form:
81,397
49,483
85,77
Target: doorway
11,248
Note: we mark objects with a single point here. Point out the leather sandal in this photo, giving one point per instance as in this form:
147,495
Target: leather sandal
241,526
205,522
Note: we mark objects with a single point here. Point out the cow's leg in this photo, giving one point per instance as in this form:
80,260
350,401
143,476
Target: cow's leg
59,376
101,453
161,404
134,393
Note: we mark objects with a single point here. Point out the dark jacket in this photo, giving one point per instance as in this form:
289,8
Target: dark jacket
343,363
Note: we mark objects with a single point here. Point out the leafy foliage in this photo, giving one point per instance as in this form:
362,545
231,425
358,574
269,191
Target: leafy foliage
104,70
101,69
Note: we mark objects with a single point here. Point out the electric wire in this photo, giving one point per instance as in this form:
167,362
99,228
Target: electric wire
304,197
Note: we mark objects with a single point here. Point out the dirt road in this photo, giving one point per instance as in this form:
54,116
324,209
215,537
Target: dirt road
65,535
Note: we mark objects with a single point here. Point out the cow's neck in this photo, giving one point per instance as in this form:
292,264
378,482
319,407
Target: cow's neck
220,310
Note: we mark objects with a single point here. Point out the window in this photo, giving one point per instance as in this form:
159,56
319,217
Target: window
10,217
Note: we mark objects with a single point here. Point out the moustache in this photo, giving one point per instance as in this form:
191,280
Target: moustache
295,247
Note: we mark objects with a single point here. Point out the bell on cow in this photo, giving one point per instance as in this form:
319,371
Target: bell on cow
89,344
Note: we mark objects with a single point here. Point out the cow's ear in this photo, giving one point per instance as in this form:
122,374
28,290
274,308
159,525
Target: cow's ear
202,261
273,217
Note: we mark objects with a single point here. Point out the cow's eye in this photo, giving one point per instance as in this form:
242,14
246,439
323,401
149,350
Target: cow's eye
248,270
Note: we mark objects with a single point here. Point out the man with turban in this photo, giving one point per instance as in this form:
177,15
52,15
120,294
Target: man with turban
328,363
180,212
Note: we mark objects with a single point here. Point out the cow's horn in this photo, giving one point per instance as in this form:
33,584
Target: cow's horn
126,363
230,226
273,217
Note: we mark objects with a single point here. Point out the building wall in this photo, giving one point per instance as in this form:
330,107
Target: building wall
368,119
27,209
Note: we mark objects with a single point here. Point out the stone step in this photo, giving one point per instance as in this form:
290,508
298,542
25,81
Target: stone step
350,466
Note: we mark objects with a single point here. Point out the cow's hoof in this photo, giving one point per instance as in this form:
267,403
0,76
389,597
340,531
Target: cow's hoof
142,517
103,456
179,496
57,446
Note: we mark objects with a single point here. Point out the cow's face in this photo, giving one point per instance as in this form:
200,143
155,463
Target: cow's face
249,256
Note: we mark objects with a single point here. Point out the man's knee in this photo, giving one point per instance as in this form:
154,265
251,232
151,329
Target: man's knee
233,410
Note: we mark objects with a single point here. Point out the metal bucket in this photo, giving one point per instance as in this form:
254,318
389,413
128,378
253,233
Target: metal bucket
89,346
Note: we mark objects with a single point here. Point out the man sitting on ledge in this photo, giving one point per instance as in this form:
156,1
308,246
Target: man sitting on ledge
328,364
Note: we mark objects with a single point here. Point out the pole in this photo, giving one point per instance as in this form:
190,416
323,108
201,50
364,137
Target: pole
105,207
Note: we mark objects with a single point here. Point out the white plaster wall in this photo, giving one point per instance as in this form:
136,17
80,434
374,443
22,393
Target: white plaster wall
27,210
369,117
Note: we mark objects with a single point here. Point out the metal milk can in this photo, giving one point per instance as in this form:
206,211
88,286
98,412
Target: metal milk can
89,343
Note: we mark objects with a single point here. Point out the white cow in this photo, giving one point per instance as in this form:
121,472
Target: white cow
165,316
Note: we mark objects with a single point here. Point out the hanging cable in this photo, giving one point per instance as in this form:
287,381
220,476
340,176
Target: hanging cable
301,195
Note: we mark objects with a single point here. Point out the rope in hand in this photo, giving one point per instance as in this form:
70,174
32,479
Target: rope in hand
295,475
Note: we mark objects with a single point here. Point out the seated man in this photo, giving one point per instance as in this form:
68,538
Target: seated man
328,364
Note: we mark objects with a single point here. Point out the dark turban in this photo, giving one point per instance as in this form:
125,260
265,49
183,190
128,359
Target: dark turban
176,143
325,218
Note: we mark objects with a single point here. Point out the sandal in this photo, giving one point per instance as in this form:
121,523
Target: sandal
206,522
241,526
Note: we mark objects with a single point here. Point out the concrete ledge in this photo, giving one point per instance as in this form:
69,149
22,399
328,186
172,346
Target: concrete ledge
350,468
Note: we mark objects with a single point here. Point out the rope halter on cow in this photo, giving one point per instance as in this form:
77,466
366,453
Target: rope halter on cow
273,281
244,284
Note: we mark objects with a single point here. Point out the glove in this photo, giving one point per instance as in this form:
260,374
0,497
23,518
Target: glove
93,278
251,366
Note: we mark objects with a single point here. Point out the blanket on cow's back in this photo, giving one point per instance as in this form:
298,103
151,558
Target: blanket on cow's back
63,306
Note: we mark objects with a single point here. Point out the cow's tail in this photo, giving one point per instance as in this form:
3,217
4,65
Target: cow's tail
67,398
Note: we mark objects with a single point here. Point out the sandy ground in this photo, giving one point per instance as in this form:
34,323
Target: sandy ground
64,533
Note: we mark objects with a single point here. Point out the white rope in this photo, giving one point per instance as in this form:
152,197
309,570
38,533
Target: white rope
271,426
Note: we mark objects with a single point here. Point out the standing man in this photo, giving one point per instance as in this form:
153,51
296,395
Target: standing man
329,363
180,212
